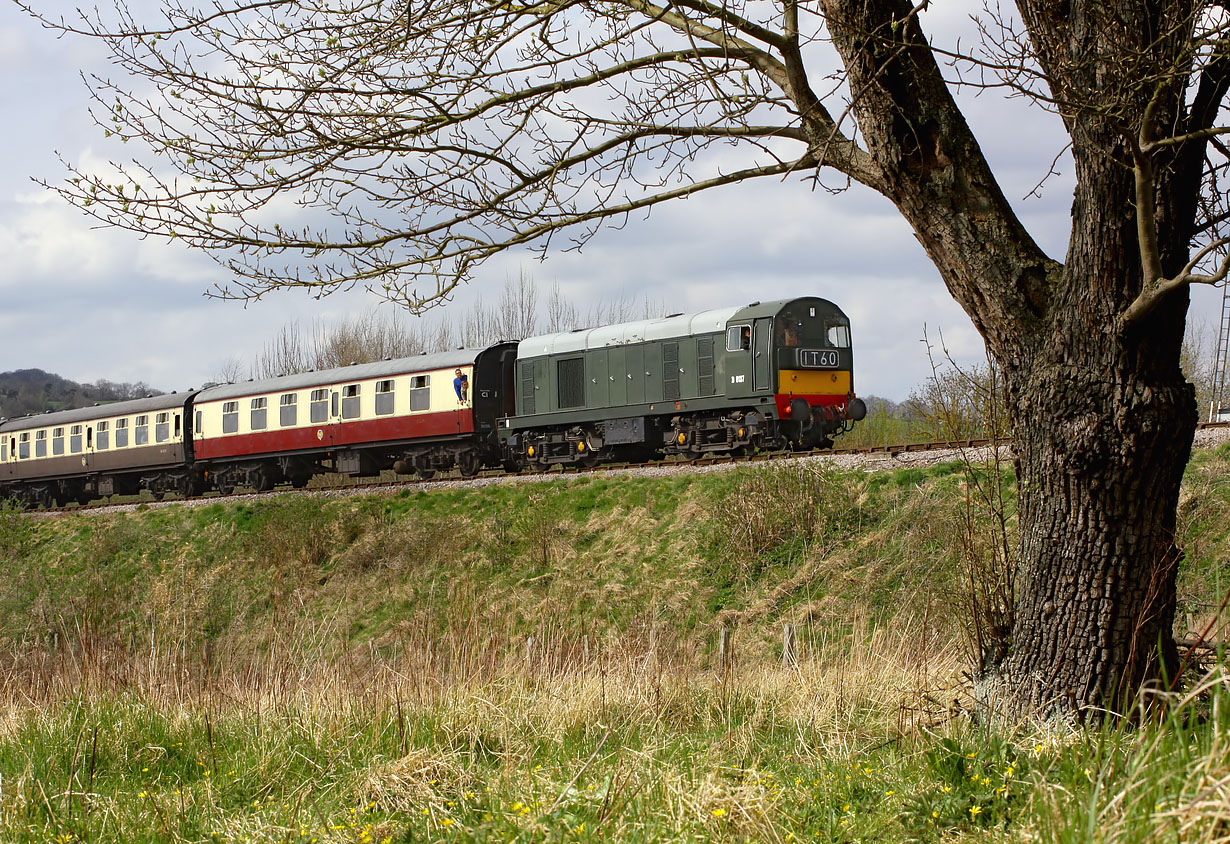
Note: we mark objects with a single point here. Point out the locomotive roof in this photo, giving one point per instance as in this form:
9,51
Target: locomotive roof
342,374
680,325
100,411
666,328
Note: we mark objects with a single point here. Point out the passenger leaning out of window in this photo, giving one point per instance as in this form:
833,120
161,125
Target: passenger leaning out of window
461,384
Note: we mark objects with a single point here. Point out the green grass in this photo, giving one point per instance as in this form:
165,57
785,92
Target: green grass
536,662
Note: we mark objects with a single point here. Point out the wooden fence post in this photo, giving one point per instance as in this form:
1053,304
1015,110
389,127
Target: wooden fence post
725,652
789,658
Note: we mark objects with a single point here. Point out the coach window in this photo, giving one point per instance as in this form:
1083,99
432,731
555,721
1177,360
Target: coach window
420,394
57,441
102,437
259,411
230,417
23,452
384,397
199,423
40,443
121,433
288,410
4,450
162,427
350,401
140,430
738,338
74,439
319,406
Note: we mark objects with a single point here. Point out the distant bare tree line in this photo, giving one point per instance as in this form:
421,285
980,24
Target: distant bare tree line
378,334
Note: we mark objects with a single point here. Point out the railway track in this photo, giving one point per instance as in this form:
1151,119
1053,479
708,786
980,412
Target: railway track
403,481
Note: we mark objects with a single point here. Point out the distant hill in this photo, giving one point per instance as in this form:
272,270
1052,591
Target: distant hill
35,391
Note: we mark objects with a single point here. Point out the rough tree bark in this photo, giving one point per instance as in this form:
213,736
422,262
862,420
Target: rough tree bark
1103,418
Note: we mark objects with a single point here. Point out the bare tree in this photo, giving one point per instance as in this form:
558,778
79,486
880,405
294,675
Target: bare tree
370,336
285,354
561,314
432,135
516,315
232,370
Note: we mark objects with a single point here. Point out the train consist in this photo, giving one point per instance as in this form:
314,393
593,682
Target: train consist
768,375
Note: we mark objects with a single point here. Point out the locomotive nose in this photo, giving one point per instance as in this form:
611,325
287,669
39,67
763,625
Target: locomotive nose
856,409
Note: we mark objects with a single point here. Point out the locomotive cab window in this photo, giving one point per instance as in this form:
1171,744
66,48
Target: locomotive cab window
319,407
420,393
74,439
259,414
350,401
384,397
838,335
140,430
738,338
789,332
121,433
57,441
40,444
162,427
288,410
230,417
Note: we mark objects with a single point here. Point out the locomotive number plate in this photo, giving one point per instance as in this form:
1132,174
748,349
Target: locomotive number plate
818,358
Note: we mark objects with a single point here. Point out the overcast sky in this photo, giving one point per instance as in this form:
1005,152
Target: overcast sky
91,303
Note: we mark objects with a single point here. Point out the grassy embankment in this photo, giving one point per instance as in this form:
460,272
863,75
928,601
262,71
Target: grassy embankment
537,662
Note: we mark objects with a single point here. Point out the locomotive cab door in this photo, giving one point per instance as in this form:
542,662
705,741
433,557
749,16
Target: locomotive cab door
762,336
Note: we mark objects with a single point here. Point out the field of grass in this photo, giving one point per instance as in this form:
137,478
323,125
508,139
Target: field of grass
537,662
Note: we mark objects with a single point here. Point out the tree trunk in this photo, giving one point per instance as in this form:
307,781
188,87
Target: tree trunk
1103,418
1101,450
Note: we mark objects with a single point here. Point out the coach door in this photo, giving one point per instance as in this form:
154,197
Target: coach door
762,334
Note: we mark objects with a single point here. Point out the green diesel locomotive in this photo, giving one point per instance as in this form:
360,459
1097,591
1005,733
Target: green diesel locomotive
768,375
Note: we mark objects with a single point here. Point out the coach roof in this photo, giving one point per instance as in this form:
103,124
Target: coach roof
150,404
342,375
